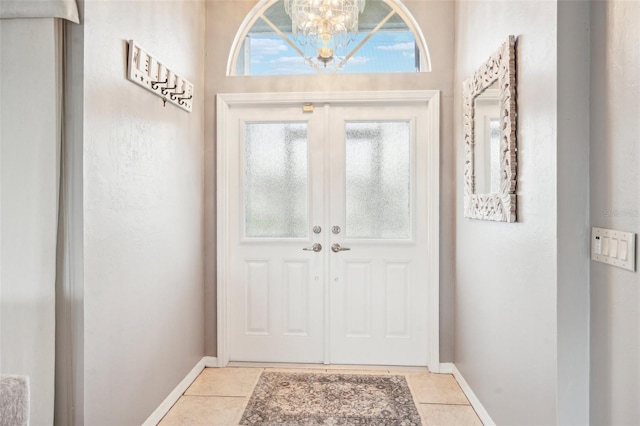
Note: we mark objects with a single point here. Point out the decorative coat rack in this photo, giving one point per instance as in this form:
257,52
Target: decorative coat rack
146,71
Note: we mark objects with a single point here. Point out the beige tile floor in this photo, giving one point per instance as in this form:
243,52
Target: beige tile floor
219,395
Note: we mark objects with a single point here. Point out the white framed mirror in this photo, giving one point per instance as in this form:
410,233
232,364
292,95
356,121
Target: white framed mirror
490,138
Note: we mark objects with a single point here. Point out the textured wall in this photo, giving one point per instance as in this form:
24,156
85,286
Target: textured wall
573,212
143,207
436,19
506,274
615,203
29,141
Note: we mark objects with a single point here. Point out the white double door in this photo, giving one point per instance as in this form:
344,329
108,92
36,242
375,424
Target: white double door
328,235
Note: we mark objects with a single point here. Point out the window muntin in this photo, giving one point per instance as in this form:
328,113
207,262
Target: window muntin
386,44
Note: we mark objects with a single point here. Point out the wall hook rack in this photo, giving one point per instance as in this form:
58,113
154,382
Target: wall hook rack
146,71
155,84
166,90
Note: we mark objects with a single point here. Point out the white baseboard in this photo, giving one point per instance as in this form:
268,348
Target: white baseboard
473,399
446,368
175,395
210,362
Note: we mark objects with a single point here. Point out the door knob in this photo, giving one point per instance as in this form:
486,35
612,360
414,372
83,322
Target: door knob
316,247
336,248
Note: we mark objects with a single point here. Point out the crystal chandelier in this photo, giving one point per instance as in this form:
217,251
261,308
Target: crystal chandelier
324,28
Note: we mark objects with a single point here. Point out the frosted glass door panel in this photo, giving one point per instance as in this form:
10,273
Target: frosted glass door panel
378,180
276,177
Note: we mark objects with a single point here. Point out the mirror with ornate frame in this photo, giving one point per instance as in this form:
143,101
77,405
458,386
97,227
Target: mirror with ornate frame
490,138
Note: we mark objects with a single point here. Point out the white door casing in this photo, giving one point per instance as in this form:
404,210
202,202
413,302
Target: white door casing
398,274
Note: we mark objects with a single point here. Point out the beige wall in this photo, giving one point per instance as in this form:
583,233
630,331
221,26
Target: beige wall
615,203
436,18
506,274
29,144
143,207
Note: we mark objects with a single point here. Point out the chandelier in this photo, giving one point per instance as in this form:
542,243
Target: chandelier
324,28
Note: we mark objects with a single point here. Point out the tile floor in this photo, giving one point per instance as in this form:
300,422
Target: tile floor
219,395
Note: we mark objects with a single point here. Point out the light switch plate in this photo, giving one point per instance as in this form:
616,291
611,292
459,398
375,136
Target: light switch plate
615,248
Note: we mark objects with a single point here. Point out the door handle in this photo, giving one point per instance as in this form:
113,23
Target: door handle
316,247
336,248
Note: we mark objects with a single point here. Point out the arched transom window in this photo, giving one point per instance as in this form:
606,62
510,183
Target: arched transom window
385,40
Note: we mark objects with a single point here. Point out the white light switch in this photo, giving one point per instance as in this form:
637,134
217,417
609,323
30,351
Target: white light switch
597,245
622,253
605,246
613,251
615,248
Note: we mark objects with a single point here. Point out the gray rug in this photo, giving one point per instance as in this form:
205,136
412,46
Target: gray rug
330,399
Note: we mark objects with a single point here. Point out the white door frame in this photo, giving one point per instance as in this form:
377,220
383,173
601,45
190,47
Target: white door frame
430,97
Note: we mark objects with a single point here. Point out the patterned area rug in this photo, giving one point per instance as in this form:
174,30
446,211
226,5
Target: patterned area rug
330,399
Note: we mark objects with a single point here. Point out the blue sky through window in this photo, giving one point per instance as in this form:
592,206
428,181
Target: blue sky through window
384,52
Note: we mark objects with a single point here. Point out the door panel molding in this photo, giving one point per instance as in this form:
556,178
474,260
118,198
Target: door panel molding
387,98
